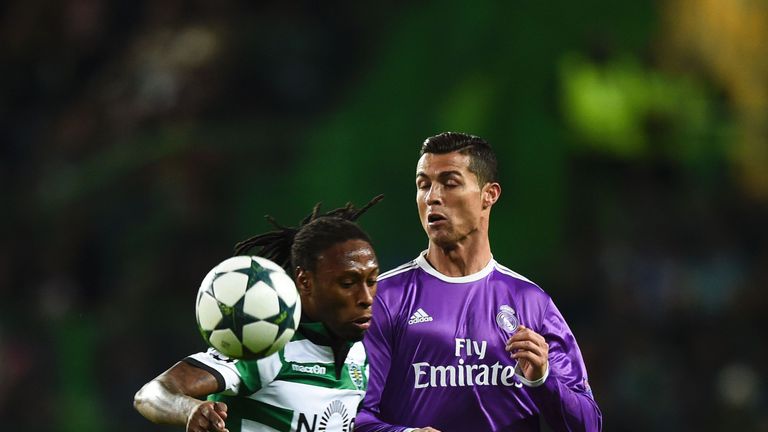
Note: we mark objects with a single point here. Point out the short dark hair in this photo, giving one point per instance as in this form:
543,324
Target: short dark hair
482,159
301,246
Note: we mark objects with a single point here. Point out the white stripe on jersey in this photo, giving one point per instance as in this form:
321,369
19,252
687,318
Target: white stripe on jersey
304,351
252,426
279,392
397,270
513,273
357,354
269,367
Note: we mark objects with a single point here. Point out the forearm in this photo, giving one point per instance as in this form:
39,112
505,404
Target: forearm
366,421
565,409
160,404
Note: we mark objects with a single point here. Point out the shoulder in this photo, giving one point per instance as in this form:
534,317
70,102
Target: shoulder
392,287
394,281
398,273
520,284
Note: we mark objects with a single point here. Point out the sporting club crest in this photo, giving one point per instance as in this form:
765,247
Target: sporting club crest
355,374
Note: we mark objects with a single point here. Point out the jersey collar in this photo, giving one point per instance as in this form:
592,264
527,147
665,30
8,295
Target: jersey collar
318,334
422,262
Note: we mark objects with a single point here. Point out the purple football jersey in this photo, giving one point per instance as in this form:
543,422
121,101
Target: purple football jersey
436,352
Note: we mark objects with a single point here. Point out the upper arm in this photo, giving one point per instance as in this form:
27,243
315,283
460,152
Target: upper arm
378,348
564,353
190,380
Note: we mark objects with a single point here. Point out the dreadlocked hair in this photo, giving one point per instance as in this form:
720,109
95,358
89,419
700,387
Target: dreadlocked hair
292,247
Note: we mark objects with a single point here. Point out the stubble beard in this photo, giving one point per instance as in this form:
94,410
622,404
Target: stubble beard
450,240
447,240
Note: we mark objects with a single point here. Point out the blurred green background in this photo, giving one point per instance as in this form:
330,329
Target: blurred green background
141,140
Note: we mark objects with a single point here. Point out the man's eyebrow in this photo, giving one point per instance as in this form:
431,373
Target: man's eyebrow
442,174
355,272
450,173
350,272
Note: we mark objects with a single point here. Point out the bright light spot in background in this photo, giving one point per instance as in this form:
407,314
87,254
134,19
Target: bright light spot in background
738,385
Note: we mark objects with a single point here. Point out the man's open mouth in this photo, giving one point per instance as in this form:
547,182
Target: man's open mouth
434,218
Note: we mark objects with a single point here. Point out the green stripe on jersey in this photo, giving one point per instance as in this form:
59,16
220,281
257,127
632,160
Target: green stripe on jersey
323,375
239,408
249,374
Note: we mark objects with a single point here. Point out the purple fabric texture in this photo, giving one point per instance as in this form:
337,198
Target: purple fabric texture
437,358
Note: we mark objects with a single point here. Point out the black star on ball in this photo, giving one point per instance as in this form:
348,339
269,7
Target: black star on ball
256,272
284,319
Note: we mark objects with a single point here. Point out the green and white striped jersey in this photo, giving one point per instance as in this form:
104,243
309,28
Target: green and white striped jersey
313,384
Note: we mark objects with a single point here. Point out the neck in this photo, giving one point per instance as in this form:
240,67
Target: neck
308,310
461,259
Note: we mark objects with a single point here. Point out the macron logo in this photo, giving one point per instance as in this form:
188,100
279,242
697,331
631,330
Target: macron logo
419,317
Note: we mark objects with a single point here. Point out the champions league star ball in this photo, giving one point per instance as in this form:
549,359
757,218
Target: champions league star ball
247,307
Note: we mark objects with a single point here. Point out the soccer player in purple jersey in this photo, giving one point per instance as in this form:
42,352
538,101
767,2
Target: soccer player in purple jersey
459,342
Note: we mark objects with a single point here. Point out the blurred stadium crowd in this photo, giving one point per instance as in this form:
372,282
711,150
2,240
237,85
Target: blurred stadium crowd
141,140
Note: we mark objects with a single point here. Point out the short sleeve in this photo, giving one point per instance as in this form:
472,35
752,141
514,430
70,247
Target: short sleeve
220,366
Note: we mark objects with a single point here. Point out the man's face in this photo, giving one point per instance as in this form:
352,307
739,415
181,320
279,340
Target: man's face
344,284
449,198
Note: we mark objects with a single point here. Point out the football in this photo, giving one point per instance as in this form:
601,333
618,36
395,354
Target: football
247,307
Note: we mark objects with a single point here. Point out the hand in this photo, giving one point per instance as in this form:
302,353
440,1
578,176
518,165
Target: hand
426,429
531,352
208,416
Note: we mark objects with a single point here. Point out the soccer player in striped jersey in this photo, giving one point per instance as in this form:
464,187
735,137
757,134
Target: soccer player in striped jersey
317,381
459,342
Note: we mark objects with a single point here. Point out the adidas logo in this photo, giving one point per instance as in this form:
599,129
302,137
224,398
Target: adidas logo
419,317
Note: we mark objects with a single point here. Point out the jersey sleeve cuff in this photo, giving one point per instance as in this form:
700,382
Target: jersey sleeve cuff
216,374
529,383
223,369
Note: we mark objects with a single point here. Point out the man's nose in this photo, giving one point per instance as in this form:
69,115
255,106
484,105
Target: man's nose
434,195
365,298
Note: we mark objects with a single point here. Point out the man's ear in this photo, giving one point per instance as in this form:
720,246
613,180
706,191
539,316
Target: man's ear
303,281
491,194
